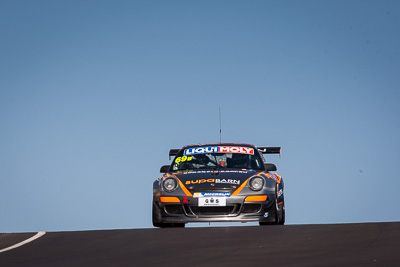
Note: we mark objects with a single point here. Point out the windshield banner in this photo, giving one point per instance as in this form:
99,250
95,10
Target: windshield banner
219,149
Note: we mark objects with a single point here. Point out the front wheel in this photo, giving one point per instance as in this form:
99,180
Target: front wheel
276,217
281,207
279,212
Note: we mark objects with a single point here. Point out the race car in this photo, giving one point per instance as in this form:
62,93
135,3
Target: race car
218,182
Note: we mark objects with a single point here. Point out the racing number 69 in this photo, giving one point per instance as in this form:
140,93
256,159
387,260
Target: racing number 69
183,159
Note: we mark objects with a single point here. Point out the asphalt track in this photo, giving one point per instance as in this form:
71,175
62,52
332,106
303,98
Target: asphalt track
364,244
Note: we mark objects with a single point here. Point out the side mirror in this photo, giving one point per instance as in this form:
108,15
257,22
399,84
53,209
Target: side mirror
270,167
164,169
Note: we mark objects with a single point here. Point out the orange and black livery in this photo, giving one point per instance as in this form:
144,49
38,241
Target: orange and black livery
218,182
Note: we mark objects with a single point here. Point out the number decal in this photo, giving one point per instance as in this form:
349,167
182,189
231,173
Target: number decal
183,159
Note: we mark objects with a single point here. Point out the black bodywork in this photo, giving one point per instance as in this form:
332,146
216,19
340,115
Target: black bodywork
190,195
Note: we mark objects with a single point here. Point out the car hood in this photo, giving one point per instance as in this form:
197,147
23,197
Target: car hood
211,180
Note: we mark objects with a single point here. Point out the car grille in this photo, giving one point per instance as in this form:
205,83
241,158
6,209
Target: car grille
251,208
213,211
174,209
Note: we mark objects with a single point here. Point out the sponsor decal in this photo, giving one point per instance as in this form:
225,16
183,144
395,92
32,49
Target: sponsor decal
227,181
211,171
212,194
236,149
219,149
217,181
280,192
212,201
236,171
266,214
200,181
201,150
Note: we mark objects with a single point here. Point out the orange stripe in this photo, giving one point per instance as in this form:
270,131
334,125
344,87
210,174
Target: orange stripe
256,198
240,188
170,199
183,187
278,178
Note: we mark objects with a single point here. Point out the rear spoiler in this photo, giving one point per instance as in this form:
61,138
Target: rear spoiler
264,150
270,150
173,152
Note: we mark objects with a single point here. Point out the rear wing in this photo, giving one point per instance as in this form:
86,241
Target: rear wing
264,150
173,152
270,150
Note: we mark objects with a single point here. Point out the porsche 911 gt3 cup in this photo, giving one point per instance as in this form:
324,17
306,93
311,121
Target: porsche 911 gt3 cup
223,182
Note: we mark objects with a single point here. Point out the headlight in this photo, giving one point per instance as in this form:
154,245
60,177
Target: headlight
256,183
170,184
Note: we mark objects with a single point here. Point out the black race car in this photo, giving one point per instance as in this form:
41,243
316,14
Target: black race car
223,182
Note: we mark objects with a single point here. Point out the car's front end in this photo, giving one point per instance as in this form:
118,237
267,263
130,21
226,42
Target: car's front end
213,189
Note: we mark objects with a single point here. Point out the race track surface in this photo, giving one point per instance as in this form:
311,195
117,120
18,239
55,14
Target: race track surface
366,244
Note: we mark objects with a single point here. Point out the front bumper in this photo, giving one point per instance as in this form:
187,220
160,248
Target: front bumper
235,210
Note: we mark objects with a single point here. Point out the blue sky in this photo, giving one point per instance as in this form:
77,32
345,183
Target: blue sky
93,94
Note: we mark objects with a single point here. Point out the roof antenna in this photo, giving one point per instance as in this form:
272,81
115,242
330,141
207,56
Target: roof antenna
220,127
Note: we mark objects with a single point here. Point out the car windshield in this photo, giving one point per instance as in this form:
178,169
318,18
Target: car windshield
213,157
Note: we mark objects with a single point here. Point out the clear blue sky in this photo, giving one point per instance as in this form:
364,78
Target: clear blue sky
93,94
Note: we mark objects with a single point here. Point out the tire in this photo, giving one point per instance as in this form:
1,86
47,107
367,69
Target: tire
155,213
282,215
276,217
279,216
